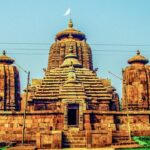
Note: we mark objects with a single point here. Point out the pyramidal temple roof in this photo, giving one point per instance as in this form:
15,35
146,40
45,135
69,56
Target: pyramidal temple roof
50,87
72,87
71,80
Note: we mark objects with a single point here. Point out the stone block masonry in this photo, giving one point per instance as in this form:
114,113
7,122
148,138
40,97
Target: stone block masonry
45,129
11,124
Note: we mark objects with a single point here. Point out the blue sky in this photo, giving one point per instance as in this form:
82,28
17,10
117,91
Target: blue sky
125,23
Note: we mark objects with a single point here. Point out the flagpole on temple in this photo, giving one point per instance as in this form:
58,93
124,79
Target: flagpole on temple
25,108
26,99
68,13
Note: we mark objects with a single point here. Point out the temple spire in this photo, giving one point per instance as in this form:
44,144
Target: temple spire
70,23
4,52
4,59
138,52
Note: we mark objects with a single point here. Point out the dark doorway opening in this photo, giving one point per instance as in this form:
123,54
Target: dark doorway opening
73,114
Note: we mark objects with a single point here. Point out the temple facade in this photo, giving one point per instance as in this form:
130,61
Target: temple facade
71,106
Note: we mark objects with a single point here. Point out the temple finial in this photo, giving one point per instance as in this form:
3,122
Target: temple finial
4,52
138,52
70,23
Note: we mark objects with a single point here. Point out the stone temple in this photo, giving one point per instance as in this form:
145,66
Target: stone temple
71,106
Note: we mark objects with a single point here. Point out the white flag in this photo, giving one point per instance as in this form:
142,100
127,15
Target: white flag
68,12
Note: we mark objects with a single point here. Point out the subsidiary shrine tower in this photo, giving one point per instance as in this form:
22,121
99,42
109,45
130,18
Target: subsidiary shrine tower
71,106
136,84
9,84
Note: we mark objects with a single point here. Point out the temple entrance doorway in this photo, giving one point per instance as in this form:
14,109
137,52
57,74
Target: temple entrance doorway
73,114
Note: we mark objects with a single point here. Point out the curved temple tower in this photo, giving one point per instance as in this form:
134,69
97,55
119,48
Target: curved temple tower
63,40
136,84
9,84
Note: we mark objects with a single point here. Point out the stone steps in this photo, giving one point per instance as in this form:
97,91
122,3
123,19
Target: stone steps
74,146
74,143
74,139
121,138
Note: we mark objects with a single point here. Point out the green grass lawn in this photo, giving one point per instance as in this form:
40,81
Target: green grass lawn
146,148
3,148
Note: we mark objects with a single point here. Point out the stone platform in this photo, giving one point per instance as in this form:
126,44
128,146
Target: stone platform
23,147
104,148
